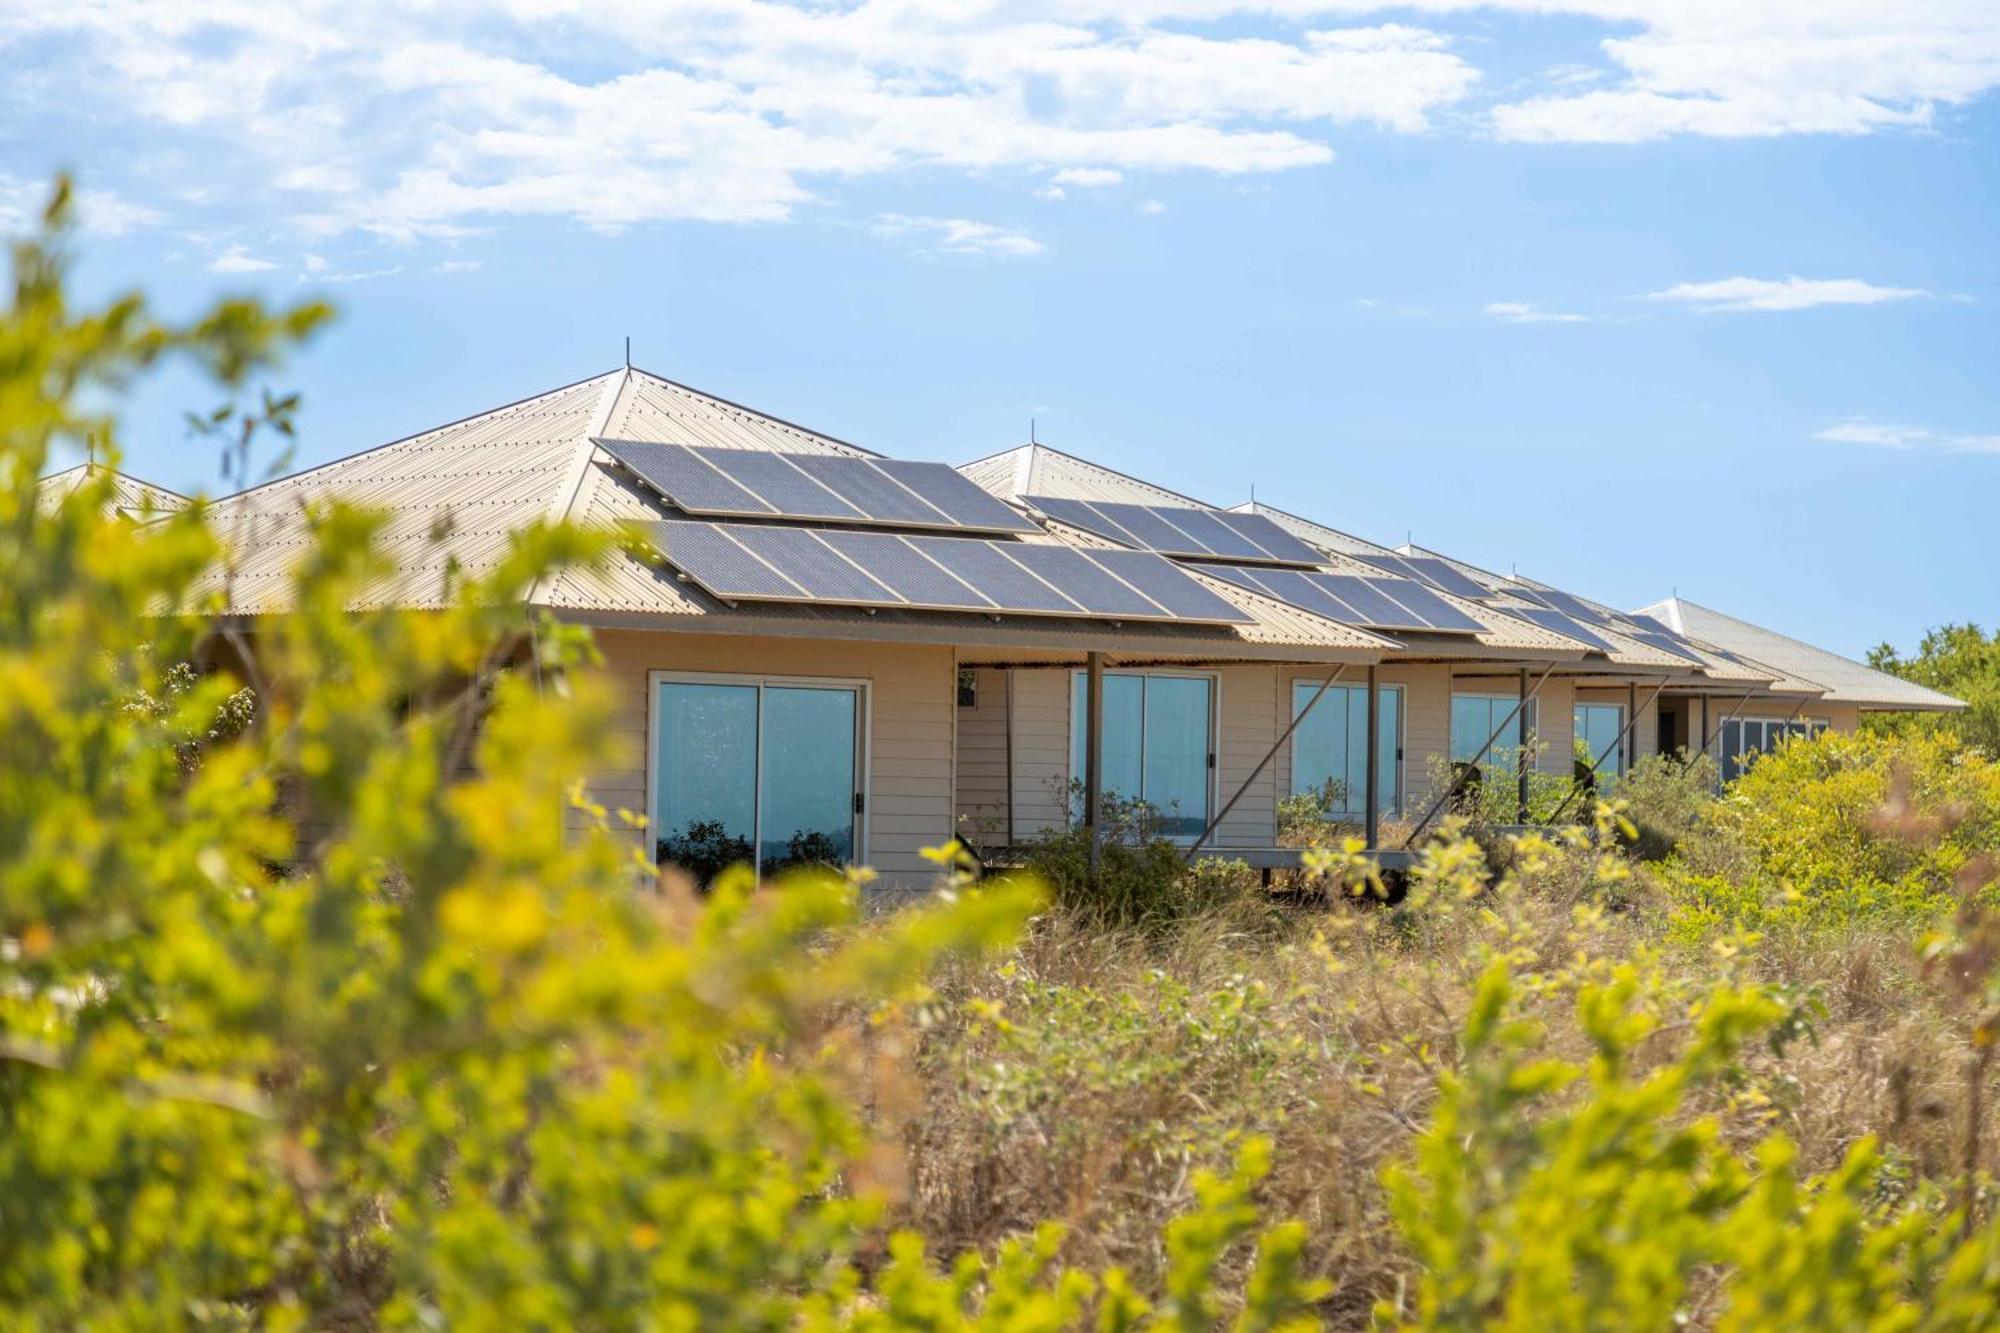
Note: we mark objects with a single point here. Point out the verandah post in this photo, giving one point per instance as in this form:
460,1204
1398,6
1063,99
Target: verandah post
1093,755
1374,798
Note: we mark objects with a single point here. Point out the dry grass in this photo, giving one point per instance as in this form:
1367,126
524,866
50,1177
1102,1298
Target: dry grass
1091,1074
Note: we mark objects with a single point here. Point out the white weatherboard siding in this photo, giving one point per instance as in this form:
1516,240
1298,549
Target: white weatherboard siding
982,760
912,691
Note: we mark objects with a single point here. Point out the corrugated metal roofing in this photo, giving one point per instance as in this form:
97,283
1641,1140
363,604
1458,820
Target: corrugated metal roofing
132,496
1036,469
1843,679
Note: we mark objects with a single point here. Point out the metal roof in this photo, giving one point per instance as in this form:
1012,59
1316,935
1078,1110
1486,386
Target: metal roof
1842,679
132,497
1036,469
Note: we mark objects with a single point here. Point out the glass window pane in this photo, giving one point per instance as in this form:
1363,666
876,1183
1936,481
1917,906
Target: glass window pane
1471,724
1124,716
808,777
1175,781
1319,746
705,801
1390,769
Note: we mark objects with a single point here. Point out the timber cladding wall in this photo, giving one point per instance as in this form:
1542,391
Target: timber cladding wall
912,696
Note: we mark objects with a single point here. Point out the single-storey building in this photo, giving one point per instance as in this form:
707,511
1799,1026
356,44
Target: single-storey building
825,654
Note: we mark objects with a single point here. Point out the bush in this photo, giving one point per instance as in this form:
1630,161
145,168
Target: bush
1838,829
1666,799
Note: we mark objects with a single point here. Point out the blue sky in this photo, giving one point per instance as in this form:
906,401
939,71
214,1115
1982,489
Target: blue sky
1630,296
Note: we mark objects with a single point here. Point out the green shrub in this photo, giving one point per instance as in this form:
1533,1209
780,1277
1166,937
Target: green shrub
1666,800
1838,829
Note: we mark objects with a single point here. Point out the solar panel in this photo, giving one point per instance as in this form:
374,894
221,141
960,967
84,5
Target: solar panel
707,555
986,567
1281,544
1218,537
1165,582
870,490
1576,608
1560,624
949,491
1666,643
1393,564
812,564
1304,590
1528,595
1088,585
1150,528
1440,574
777,483
1435,610
905,570
1083,516
1370,603
685,478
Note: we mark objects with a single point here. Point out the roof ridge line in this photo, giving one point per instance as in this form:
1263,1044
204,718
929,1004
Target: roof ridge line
757,412
413,435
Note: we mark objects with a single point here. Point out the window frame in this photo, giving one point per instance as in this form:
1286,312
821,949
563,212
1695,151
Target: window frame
1806,726
863,728
1533,710
1213,750
1620,756
1397,787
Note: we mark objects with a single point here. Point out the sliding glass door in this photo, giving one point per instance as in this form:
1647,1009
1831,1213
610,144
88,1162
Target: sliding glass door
1330,748
764,772
1158,736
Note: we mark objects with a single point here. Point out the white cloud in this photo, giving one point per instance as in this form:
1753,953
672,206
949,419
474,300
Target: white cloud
236,259
1088,177
1527,312
1860,430
959,236
1152,208
413,121
1051,193
100,211
456,266
1749,68
1793,293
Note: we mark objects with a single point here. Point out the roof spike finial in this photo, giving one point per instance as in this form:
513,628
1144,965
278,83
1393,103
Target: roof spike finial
628,351
1031,432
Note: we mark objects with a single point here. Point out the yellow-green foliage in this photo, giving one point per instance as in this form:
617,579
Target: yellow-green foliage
1842,828
327,1021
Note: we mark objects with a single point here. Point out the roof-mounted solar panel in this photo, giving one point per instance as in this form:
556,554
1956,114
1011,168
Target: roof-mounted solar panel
950,491
760,483
1666,643
1559,623
1440,574
1371,603
1281,544
767,562
1578,609
1179,530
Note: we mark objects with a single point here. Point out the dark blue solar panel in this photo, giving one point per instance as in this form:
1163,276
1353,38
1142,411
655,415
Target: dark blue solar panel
1370,606
705,553
1440,574
949,491
867,488
1305,591
777,483
1082,516
986,567
1528,595
1435,610
1281,544
1084,583
1151,526
1666,643
1217,536
684,478
1575,607
1561,624
812,564
904,569
1167,584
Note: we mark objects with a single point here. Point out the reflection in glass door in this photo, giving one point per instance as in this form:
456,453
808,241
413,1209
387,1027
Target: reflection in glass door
755,772
1158,735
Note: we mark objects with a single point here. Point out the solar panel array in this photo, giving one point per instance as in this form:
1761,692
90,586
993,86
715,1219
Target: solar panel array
1568,614
1374,603
1179,530
1429,569
770,562
760,483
